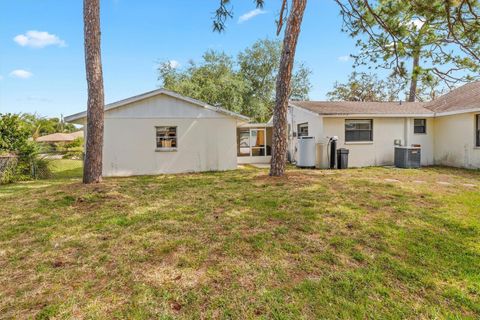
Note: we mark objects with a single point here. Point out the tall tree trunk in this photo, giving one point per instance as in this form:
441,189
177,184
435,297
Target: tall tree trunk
92,171
283,88
414,80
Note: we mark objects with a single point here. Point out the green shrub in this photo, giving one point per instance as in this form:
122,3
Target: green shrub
77,143
8,167
14,139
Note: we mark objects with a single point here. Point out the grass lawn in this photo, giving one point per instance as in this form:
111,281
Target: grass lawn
312,245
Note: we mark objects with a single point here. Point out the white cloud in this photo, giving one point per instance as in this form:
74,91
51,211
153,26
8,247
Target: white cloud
21,74
38,39
174,64
417,23
250,15
344,58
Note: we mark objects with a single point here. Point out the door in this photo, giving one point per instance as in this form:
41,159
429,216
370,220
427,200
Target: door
258,142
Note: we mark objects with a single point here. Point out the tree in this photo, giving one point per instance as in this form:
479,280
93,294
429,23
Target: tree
283,88
14,134
245,85
259,65
367,87
435,37
92,171
15,139
213,81
301,85
40,126
283,85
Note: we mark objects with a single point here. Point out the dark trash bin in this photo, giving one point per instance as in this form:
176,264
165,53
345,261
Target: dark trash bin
342,158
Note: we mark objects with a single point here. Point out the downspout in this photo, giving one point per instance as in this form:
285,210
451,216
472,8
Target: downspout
406,131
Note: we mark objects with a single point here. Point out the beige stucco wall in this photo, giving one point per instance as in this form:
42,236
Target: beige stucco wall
380,151
455,141
296,116
206,139
426,141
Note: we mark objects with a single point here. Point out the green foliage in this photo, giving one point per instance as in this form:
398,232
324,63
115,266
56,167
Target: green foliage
367,87
77,143
213,81
443,35
245,85
40,126
15,138
225,12
14,134
8,167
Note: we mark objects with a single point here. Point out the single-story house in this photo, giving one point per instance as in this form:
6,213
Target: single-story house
60,137
164,132
447,129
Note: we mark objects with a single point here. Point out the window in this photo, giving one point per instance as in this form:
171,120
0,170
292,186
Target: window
253,143
420,126
244,143
478,129
166,138
302,130
358,130
257,142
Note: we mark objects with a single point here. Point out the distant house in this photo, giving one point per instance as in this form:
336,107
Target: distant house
163,132
60,137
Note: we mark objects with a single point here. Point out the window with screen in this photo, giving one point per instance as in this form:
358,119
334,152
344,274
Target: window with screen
302,130
166,138
243,137
358,130
477,129
420,126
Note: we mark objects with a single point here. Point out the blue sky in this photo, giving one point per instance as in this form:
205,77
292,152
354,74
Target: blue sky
43,71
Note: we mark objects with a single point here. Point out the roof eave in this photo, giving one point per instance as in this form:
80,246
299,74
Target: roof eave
455,112
378,115
146,95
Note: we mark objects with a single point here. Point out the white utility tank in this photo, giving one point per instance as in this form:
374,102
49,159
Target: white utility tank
306,152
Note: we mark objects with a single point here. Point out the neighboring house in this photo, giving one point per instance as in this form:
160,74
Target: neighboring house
163,132
447,129
60,137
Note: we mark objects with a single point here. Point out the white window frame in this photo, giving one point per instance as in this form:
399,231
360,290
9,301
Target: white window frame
477,130
359,141
166,148
250,137
264,141
304,125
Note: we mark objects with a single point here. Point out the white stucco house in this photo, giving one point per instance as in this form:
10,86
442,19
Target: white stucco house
447,129
163,132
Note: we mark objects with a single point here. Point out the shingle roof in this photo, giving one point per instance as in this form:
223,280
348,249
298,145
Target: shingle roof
357,107
60,137
466,97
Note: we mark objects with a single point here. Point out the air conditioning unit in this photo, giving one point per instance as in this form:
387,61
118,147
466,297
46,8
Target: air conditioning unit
408,157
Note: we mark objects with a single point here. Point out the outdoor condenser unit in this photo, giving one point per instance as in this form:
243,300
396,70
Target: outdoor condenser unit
408,157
